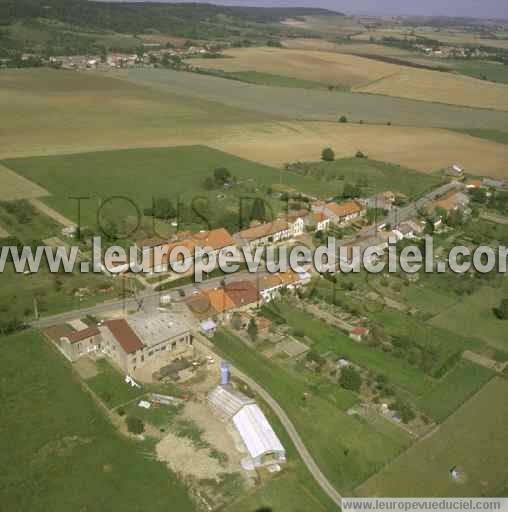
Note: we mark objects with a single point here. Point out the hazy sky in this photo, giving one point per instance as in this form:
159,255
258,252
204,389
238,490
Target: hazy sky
474,8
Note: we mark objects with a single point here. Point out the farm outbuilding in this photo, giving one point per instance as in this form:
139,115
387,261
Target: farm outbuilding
258,436
227,401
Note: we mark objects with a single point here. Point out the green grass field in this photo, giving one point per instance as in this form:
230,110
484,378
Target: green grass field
109,386
491,71
474,317
474,440
318,105
347,449
454,389
57,450
141,174
374,176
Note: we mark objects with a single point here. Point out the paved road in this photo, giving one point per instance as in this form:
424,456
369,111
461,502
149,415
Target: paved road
295,437
409,211
149,297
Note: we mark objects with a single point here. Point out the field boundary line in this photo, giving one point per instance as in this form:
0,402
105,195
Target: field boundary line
51,213
16,187
436,429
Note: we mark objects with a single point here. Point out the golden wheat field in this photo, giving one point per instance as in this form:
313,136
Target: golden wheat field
423,149
318,66
434,86
302,43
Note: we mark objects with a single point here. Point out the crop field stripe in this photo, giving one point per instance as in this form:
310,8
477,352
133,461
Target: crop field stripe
320,105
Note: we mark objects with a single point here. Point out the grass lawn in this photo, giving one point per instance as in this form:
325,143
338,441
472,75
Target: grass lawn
473,317
57,450
454,389
474,439
141,174
160,417
347,449
110,387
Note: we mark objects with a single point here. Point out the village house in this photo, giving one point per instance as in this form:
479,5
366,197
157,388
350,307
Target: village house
270,285
75,344
493,183
219,240
317,221
473,184
265,234
218,304
213,304
358,333
450,202
408,230
379,241
340,213
455,171
383,201
163,254
243,294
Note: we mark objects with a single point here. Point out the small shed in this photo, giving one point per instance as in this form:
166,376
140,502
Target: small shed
208,328
358,333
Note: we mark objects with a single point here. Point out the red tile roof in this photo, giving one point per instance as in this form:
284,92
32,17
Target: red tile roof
125,336
216,238
264,230
84,334
242,293
359,330
344,209
319,216
219,300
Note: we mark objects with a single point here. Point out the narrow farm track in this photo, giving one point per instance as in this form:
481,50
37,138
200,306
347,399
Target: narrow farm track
53,214
307,458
